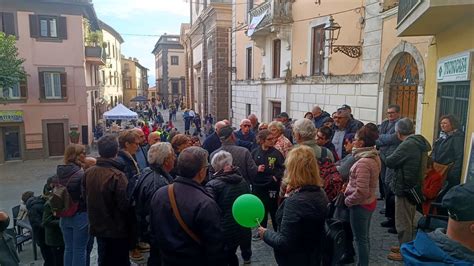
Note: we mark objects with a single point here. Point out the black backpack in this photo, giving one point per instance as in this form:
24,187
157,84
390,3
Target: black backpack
334,242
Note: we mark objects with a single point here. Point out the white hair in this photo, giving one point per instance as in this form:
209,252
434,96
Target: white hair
159,152
305,129
220,160
278,125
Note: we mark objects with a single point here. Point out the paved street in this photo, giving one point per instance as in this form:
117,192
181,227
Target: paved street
17,177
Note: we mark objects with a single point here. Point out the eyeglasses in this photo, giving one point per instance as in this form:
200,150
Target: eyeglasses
391,113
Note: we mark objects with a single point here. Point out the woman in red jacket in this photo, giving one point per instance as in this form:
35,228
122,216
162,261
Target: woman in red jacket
360,192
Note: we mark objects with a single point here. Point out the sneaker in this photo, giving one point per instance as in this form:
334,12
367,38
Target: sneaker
392,230
395,256
395,249
247,262
143,247
388,224
136,255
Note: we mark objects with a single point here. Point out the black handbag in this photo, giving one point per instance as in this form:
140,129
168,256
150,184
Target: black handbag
341,211
414,194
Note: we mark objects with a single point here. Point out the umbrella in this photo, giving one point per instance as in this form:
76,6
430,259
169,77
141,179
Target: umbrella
139,99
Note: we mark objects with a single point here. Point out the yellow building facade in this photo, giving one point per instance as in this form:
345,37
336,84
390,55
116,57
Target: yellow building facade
449,64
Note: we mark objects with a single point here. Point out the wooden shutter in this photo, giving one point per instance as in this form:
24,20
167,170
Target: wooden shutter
62,28
9,24
276,58
41,85
63,85
23,88
34,27
317,47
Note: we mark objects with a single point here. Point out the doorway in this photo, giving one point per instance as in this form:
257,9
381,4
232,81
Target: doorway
55,133
11,138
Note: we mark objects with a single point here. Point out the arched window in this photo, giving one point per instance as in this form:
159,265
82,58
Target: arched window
404,86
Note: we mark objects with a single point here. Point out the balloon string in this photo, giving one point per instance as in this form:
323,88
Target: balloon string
258,221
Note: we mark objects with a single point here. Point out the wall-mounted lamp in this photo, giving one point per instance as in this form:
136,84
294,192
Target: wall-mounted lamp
333,30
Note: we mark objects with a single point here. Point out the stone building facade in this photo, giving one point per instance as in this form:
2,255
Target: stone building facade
208,54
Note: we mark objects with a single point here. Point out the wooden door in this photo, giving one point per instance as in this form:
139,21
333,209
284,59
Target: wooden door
404,86
56,139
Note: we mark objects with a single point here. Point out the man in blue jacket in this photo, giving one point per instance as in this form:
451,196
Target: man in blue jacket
454,246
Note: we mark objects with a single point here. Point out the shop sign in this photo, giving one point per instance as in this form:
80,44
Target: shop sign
11,116
454,68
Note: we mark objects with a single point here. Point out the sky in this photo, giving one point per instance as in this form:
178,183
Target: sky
143,17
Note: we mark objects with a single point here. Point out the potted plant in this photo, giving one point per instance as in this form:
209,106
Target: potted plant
74,136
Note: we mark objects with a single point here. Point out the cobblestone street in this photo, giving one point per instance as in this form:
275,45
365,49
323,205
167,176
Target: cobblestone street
17,177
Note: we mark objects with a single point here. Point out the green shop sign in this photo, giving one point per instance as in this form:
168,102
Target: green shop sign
11,116
454,68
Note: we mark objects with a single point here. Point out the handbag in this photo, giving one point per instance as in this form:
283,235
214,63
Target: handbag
415,193
341,211
176,213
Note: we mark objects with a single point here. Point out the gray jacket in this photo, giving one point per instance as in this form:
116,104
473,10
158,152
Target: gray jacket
8,255
387,143
242,159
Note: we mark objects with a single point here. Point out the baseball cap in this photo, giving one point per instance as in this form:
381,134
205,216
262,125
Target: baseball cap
225,132
459,201
284,114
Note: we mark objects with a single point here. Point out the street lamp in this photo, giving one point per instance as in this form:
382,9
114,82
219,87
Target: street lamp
333,30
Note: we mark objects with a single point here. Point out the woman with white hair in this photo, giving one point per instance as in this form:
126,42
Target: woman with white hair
161,158
227,185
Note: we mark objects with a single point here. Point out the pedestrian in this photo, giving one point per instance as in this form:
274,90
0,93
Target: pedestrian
185,219
159,119
323,139
451,246
162,160
304,133
8,254
360,192
344,166
212,142
319,116
129,143
387,144
53,235
141,153
226,185
245,136
409,161
197,124
266,185
449,148
284,118
300,218
308,115
105,189
195,141
343,125
179,143
75,225
254,121
187,121
282,143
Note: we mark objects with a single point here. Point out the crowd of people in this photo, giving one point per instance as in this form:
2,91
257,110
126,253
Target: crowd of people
172,197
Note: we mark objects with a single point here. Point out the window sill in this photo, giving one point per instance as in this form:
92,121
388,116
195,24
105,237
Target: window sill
43,100
8,101
47,39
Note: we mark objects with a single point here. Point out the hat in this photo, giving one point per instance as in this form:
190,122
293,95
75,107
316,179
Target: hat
284,114
225,132
460,202
345,106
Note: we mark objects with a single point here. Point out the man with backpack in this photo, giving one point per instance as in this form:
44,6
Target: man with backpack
105,188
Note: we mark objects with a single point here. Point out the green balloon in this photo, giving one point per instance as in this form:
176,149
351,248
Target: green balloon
248,210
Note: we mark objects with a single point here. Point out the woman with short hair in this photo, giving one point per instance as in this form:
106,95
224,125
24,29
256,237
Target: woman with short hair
282,143
301,216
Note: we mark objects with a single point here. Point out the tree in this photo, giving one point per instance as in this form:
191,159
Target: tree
11,69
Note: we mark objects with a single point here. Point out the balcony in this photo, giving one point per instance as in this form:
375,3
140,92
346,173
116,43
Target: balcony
276,14
429,17
95,55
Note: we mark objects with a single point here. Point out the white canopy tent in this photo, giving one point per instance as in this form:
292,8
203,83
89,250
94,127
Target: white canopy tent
120,112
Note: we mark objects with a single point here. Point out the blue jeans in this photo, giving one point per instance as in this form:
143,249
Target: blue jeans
360,223
76,237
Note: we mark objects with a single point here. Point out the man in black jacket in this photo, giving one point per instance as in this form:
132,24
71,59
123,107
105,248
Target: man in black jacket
162,159
199,212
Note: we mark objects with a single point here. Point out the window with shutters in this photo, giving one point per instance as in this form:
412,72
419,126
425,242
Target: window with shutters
276,58
317,50
48,27
53,85
7,23
174,60
249,63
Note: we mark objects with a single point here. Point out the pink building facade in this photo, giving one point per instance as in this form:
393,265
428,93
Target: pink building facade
36,121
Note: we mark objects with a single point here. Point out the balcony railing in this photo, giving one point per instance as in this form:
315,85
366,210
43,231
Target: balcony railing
95,53
405,7
277,12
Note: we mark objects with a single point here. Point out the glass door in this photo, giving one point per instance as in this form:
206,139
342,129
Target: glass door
11,136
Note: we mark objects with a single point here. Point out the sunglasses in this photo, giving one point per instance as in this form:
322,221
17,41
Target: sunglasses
246,125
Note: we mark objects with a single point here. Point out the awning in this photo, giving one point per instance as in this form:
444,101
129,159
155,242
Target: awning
120,112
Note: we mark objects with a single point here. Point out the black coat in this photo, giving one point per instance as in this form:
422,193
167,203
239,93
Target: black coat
73,174
35,207
301,228
148,183
201,214
450,150
225,188
130,168
276,168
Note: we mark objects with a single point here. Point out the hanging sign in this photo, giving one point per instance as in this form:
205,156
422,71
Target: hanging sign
454,68
11,116
254,23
